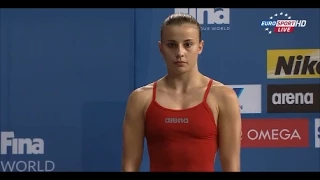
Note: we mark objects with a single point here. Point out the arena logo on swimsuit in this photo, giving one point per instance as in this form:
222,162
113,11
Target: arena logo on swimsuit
23,146
177,120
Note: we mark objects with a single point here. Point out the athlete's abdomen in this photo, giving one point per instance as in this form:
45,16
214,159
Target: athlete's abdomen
180,140
182,156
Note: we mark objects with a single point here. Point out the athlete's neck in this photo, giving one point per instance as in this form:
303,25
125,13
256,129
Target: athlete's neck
183,82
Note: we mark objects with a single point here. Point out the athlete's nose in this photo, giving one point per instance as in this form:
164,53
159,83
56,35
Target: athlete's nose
180,51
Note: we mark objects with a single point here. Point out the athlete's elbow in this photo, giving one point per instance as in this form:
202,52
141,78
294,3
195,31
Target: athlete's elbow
230,164
130,166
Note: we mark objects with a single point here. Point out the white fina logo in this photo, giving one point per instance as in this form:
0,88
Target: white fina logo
23,146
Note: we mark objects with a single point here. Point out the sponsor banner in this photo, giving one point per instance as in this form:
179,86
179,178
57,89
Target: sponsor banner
249,97
293,63
317,132
269,133
293,98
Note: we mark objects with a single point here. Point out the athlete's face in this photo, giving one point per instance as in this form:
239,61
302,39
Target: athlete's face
180,46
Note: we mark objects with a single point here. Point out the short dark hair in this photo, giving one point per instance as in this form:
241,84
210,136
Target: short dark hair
179,19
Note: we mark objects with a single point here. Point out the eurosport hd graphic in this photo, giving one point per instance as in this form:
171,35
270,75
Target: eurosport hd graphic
282,22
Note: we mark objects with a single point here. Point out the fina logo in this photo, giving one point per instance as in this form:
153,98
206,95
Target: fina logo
11,145
210,19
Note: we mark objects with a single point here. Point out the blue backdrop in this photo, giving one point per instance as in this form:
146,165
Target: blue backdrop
65,76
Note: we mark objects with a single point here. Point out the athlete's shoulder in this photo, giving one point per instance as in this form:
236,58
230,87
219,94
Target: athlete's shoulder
143,89
222,91
142,92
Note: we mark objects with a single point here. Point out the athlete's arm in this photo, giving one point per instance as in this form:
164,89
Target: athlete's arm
133,133
229,125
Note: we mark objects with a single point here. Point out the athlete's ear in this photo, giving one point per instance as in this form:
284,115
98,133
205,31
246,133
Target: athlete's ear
159,45
201,44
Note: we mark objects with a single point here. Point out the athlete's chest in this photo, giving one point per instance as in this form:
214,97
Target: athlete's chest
163,123
178,101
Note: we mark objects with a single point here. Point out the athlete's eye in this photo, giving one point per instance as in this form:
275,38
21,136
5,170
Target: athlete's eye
171,45
189,44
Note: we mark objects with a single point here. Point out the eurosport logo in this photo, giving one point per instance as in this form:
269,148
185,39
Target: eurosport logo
317,133
210,19
293,98
282,23
293,63
269,133
249,97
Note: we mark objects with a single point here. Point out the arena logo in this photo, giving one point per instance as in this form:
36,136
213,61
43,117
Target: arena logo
176,120
23,146
293,98
210,19
275,133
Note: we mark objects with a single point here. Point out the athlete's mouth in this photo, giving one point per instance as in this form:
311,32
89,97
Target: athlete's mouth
180,62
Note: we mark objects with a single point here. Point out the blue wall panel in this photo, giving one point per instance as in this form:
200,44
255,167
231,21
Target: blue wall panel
60,68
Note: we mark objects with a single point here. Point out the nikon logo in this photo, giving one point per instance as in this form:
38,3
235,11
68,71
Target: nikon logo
293,64
176,120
